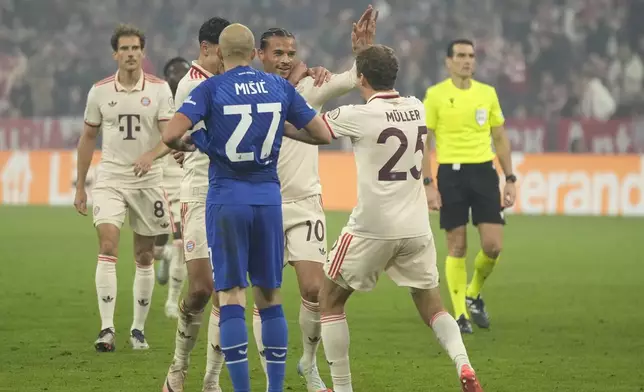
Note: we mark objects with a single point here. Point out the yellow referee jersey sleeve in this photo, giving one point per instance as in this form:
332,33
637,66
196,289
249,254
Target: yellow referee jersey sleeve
496,114
431,110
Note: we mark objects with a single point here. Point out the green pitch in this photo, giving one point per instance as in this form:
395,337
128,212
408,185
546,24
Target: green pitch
565,301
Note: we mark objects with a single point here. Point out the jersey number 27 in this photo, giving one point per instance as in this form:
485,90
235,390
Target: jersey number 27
387,173
245,111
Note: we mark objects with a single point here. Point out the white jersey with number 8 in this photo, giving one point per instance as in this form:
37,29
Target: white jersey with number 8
388,134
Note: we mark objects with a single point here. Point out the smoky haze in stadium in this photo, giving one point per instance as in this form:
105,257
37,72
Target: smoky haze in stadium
563,299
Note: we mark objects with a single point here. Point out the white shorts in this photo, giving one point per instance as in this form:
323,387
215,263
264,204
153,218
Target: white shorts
193,224
304,230
357,262
172,195
147,209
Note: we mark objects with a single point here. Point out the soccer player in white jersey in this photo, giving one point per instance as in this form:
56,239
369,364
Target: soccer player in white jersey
304,219
170,254
389,228
130,108
194,188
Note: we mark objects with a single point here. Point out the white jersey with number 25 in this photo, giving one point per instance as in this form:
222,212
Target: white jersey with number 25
388,134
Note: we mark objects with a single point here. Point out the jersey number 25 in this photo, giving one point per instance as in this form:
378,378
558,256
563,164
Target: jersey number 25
245,111
387,173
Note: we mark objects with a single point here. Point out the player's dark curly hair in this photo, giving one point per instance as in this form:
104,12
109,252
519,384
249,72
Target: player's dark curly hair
273,32
460,41
212,28
172,62
379,65
126,30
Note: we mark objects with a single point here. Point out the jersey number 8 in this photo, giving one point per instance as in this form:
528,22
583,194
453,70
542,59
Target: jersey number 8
245,111
387,173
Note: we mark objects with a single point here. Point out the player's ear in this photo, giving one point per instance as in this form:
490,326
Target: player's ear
115,55
362,80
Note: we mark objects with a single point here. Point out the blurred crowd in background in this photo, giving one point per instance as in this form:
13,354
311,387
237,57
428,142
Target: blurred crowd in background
547,58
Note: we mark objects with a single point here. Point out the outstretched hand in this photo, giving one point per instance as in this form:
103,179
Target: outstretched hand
364,30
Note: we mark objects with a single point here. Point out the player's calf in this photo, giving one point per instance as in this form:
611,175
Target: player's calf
310,276
430,307
143,288
200,284
191,312
106,285
214,356
234,336
177,276
335,333
274,335
163,254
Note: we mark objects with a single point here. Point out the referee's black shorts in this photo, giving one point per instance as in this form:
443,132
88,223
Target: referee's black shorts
465,186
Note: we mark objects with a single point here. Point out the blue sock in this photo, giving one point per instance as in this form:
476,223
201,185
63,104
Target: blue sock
234,345
275,339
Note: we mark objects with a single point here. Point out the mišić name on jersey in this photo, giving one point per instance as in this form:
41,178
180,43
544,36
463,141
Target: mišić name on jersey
251,88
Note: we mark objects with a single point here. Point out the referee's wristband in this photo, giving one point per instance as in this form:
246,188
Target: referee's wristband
427,180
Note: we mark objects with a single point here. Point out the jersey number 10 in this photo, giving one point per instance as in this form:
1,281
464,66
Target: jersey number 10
387,173
244,125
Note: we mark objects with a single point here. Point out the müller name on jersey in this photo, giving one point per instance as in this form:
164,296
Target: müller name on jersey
396,116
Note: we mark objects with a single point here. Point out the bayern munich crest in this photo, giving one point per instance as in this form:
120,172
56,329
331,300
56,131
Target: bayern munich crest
145,101
190,246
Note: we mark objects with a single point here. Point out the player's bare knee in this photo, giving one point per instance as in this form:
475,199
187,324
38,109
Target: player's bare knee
234,296
310,275
265,298
332,298
311,292
457,242
428,303
108,247
491,248
457,249
200,290
144,257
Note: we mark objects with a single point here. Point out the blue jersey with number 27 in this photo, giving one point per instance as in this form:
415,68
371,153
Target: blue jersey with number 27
244,112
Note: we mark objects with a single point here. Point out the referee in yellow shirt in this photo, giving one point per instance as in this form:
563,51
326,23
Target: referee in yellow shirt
465,117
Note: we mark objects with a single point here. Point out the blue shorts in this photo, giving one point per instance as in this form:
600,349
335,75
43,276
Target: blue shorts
245,240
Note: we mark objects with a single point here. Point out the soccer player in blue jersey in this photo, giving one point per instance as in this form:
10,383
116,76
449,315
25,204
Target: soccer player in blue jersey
244,111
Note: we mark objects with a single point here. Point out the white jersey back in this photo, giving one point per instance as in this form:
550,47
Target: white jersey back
388,134
128,121
194,186
297,166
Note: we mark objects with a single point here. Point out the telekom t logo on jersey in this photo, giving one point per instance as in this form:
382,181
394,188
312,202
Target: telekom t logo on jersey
130,125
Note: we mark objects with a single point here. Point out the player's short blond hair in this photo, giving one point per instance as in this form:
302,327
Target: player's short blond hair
236,41
126,30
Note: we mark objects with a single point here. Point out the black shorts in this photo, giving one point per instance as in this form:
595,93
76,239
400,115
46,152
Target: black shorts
474,186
